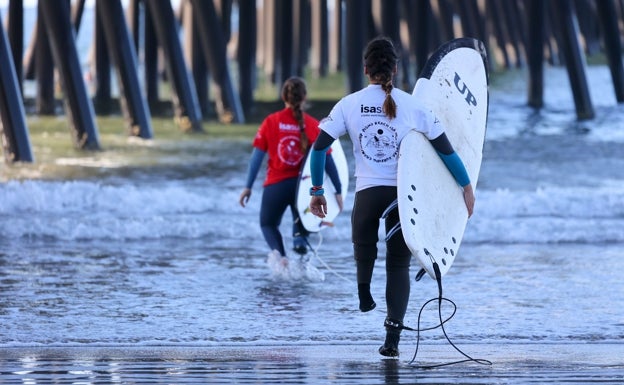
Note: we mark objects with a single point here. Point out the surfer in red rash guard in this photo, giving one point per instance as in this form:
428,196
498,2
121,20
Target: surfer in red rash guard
286,136
376,119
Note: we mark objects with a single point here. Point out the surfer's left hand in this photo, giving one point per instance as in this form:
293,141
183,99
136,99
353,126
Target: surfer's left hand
244,197
318,206
469,199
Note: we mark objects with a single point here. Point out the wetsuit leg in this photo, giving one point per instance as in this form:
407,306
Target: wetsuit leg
368,208
299,233
275,199
364,228
398,257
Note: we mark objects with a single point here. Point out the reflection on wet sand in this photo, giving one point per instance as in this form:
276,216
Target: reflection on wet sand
311,364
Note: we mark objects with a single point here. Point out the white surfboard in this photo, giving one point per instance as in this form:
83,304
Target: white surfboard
433,216
311,222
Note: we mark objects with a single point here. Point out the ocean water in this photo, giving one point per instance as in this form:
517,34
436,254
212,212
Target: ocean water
143,247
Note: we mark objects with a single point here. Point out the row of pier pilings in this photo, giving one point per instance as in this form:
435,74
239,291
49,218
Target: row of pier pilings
281,38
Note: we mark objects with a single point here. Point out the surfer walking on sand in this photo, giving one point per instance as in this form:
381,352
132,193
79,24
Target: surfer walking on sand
380,111
286,136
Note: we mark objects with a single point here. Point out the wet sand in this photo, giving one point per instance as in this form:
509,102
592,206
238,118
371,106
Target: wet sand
512,363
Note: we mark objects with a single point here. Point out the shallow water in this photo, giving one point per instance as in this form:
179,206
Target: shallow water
310,364
136,264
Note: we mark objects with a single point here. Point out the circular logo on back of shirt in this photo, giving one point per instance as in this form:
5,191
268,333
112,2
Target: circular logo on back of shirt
289,150
378,141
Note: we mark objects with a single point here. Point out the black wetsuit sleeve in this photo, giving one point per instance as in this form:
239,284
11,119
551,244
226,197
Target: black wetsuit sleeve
442,145
323,141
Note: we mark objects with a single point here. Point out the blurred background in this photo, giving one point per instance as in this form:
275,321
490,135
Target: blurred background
223,61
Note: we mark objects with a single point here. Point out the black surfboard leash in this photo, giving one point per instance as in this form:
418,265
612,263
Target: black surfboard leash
440,298
329,268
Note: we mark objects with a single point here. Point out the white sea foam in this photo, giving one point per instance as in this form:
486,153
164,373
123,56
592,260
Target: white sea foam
87,210
165,255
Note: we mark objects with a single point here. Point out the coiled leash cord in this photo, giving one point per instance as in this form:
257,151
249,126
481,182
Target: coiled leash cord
440,298
436,269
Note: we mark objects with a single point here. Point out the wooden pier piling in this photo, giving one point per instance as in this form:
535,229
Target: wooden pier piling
144,44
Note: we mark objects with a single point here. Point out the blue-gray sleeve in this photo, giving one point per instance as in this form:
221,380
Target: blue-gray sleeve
317,166
450,158
317,159
255,162
456,167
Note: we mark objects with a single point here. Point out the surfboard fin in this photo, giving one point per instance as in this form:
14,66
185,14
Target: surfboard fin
393,231
420,274
390,207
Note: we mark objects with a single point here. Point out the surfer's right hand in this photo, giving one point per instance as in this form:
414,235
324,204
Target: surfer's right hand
318,206
339,201
469,199
244,197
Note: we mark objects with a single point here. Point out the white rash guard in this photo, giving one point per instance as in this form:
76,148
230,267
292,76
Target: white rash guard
375,137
